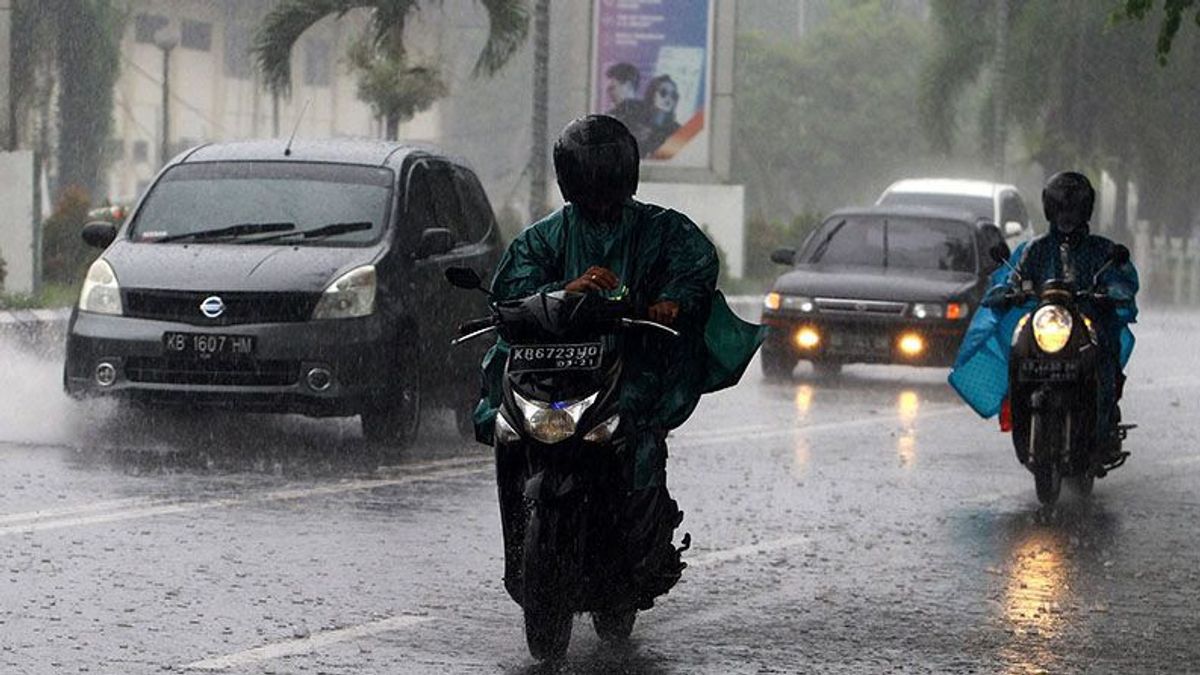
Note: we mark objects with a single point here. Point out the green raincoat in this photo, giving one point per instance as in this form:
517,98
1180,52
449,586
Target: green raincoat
658,254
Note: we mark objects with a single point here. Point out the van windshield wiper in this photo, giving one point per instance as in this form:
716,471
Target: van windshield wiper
238,230
315,233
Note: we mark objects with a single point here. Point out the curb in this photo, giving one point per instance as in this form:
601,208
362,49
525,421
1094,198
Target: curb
43,331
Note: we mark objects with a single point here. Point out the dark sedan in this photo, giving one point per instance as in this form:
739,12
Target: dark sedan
306,279
878,285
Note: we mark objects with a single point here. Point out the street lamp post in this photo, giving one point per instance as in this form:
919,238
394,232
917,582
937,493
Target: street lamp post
166,41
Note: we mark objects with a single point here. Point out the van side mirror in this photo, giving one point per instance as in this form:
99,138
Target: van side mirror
435,241
99,234
784,256
464,277
1000,253
1120,255
1013,228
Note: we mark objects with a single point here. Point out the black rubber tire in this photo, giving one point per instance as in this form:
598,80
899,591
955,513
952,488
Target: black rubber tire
548,621
395,422
1082,485
1047,479
614,626
778,365
827,370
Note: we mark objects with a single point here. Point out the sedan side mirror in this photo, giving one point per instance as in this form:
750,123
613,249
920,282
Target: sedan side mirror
1013,228
784,256
435,241
99,234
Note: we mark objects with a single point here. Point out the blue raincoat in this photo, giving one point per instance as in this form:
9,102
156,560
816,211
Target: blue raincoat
980,373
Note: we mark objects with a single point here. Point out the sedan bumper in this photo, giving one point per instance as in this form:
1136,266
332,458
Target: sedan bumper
849,339
127,357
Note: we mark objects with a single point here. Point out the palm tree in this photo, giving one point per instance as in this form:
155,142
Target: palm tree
395,88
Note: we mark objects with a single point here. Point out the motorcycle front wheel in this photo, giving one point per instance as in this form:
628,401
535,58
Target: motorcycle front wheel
1046,439
548,617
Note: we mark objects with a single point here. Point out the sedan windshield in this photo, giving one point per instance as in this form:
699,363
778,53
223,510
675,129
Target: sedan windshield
907,243
980,207
240,201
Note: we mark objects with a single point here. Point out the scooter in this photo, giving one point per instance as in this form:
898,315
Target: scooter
562,463
1054,384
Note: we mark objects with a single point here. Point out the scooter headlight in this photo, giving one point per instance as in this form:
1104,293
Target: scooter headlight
1052,328
553,423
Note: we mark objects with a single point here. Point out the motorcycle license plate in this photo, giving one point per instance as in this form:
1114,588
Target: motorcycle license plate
530,358
1049,371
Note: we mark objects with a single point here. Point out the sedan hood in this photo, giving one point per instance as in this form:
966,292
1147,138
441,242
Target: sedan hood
233,267
875,283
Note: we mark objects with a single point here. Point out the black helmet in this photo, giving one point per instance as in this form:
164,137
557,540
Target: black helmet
596,161
1067,200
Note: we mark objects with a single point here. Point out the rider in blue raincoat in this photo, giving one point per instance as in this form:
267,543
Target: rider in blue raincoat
1068,252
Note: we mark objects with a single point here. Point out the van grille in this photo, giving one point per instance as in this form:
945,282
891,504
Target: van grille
240,308
861,307
162,370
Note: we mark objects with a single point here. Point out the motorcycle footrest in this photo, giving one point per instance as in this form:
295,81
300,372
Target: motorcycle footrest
1114,464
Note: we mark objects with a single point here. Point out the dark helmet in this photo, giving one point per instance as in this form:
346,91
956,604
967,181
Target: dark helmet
596,161
1067,200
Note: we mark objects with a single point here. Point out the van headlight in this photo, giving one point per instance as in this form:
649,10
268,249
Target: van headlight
351,295
101,294
1052,328
552,423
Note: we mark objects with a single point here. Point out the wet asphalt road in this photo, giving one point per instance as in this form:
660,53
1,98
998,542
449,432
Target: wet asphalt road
868,524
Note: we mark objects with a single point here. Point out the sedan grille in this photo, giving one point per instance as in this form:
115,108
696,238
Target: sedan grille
861,307
239,308
162,370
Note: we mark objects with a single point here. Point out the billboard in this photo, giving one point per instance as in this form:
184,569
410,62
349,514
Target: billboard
652,69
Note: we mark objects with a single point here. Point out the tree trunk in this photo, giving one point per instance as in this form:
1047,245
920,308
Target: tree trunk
392,128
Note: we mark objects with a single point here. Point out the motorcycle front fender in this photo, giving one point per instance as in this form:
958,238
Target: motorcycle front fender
547,486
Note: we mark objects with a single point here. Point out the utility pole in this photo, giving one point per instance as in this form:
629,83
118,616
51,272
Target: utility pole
7,133
541,93
166,42
999,101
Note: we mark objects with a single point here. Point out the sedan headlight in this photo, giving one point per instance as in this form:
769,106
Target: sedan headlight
1052,328
351,295
552,423
101,293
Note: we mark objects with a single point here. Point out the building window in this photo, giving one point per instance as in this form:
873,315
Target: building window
195,35
141,151
237,52
317,69
146,25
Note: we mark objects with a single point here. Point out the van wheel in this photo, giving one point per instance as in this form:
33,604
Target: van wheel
394,420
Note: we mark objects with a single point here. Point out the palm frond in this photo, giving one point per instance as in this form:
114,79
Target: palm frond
280,30
508,27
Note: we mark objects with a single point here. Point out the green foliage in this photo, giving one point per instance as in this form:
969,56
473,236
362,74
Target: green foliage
3,270
89,56
831,119
1172,20
394,87
50,296
65,257
763,236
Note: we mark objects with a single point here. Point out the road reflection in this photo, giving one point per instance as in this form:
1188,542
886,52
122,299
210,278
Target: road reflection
908,406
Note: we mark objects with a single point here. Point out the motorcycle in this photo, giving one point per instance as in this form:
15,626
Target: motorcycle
562,464
1054,384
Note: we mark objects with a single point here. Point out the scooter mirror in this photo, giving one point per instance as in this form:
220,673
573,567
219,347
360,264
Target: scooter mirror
999,253
1120,255
464,277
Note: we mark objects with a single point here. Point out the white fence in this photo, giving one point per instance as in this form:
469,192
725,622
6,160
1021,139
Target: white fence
1169,267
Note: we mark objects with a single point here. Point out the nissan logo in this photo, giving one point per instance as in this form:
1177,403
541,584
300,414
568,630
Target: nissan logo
212,307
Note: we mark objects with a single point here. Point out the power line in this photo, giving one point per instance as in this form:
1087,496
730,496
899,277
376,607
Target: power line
220,128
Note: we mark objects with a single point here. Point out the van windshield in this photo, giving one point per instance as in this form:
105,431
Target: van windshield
282,197
907,243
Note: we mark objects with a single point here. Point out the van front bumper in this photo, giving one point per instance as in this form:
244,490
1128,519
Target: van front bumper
127,357
858,340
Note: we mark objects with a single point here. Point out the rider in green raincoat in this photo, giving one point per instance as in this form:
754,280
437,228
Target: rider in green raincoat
604,241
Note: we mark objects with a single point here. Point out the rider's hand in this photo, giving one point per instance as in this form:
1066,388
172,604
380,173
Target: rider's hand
664,312
595,279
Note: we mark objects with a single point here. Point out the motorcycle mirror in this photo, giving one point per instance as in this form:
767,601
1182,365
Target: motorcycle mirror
999,253
464,277
1120,255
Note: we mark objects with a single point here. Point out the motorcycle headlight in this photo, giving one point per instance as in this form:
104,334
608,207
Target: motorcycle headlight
101,294
1052,328
351,295
552,423
603,431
